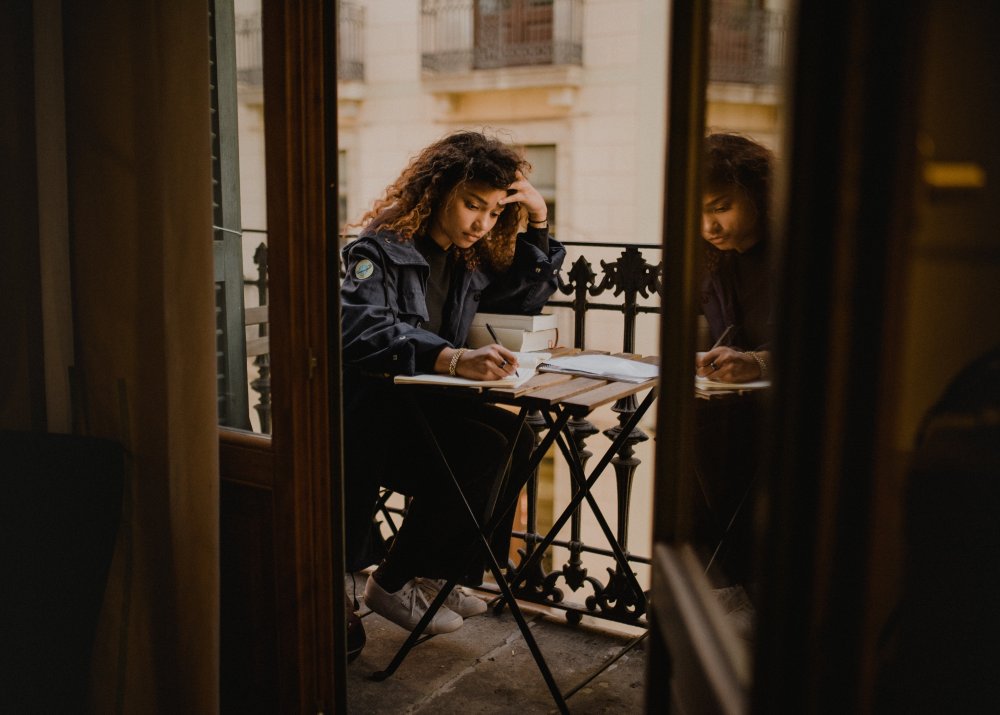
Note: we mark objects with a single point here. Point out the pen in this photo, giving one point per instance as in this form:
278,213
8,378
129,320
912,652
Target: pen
725,334
493,334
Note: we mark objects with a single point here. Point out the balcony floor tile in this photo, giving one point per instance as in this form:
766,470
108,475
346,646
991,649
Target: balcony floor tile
486,667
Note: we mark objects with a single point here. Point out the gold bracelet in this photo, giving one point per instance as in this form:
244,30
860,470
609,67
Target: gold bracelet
761,362
453,365
544,222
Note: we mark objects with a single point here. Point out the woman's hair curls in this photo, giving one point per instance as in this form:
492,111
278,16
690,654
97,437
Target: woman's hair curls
734,160
431,180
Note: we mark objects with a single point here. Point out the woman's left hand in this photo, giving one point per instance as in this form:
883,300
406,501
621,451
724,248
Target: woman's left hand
727,365
525,193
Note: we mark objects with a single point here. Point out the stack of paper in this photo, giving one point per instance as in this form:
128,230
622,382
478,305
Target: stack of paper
609,366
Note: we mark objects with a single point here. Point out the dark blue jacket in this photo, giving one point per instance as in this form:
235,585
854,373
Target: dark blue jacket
739,293
383,300
383,304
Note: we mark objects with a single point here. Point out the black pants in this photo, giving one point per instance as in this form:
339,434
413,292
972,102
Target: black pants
726,443
437,539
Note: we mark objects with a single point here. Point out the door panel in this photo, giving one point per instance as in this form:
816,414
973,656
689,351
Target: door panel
281,644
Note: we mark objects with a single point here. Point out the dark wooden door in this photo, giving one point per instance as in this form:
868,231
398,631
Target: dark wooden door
282,648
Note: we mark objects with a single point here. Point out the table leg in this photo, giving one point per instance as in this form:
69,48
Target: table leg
555,429
494,566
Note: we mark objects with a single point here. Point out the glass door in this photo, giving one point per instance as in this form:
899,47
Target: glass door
282,649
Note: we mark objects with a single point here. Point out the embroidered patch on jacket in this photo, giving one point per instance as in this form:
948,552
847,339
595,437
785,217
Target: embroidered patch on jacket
364,269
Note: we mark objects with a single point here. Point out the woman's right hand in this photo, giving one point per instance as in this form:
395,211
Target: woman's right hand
490,362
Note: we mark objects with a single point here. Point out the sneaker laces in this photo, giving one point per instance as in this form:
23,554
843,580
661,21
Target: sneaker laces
432,586
416,597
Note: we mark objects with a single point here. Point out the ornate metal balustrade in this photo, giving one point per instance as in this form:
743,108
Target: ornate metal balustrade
747,45
636,286
464,35
629,284
262,360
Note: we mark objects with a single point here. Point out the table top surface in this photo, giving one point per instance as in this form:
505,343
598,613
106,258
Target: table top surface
577,394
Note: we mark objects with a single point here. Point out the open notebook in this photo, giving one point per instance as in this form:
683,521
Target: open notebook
704,383
527,363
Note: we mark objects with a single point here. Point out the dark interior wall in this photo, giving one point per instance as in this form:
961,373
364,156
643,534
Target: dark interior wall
139,184
954,269
22,389
934,539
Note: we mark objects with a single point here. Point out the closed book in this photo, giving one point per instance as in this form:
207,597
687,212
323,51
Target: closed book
523,341
542,321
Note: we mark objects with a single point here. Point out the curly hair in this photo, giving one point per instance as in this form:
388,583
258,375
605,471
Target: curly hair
734,160
431,180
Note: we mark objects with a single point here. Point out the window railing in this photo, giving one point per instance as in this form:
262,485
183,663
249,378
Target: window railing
350,46
350,42
747,45
249,54
465,35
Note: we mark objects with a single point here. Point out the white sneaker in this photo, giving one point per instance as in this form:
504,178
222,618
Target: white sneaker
459,600
407,606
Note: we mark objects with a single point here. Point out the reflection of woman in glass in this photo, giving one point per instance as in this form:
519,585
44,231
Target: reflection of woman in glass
736,302
736,290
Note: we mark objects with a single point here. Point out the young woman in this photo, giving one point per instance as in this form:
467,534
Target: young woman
736,288
444,242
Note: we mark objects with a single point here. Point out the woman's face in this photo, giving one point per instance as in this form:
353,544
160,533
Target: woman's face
729,219
469,215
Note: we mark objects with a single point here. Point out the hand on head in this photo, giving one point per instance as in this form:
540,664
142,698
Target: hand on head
523,192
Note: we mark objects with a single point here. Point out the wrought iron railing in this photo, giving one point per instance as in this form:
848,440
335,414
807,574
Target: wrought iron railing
627,283
747,45
464,35
635,285
258,345
350,45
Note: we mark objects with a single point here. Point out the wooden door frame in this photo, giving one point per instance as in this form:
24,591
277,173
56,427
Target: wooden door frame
692,664
846,183
300,463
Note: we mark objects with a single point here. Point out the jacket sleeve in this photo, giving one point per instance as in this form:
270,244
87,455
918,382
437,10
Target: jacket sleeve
531,279
376,336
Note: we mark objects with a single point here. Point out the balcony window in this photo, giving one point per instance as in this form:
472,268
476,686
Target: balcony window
747,44
464,35
350,42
